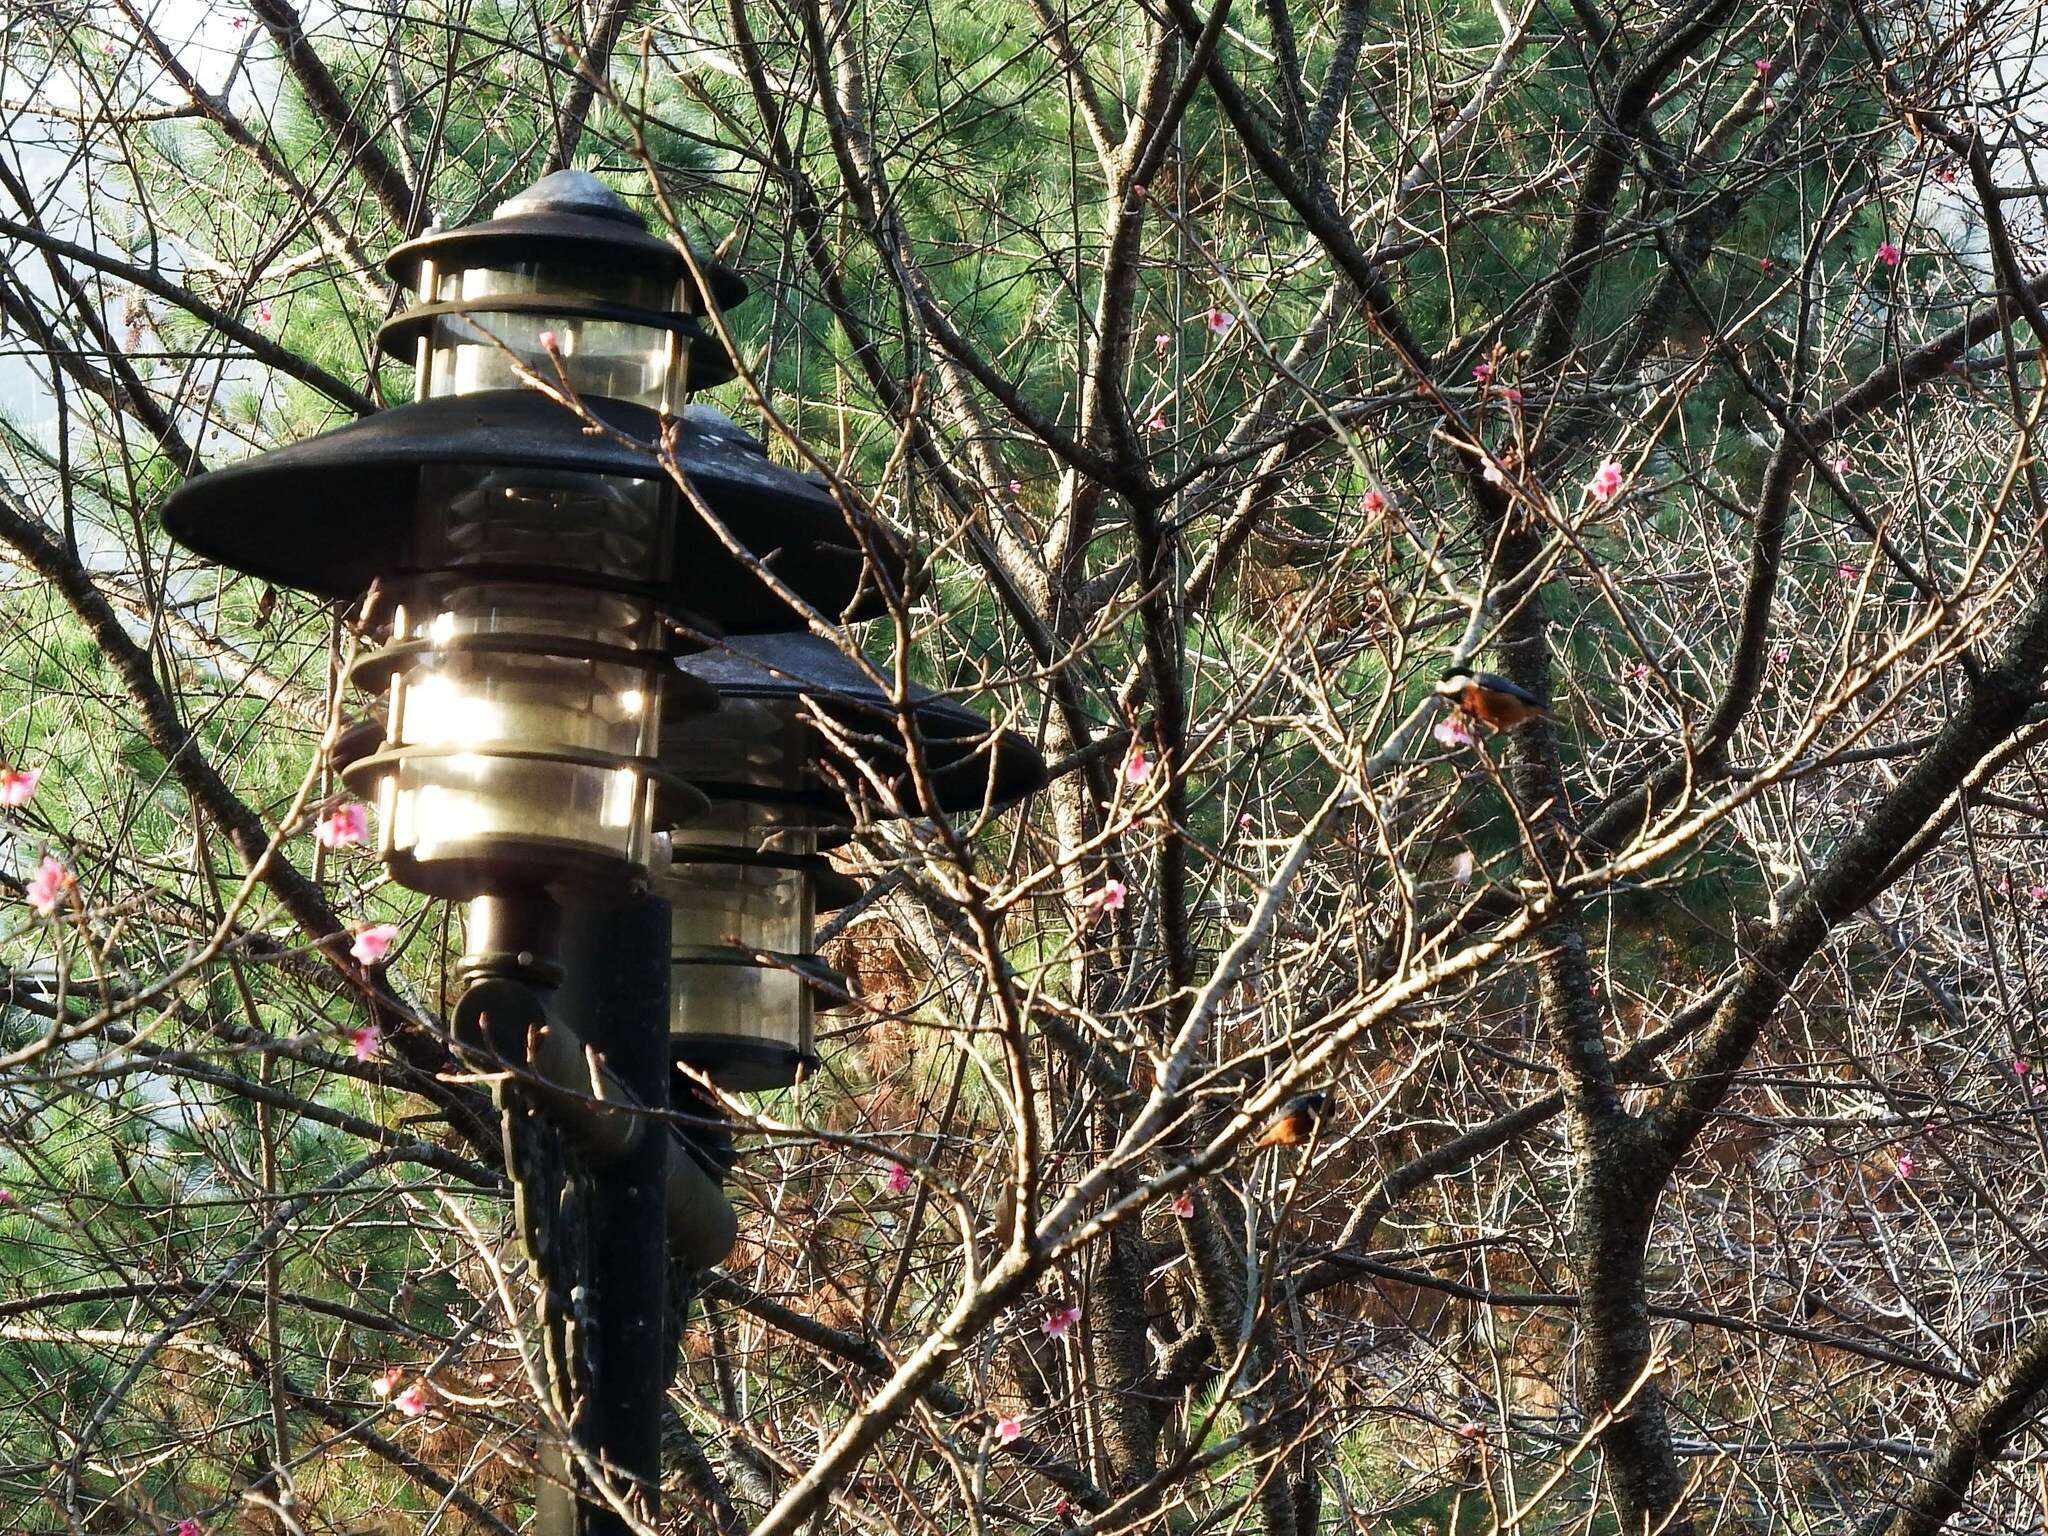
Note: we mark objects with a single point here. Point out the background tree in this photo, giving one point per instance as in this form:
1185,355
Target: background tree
1242,368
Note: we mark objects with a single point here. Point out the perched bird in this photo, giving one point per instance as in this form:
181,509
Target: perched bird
1490,698
1295,1123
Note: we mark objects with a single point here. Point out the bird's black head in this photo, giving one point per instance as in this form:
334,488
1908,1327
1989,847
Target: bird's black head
1315,1103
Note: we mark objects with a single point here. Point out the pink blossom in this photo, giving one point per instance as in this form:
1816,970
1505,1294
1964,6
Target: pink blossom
1635,671
1780,654
1463,866
1606,482
1452,731
1493,474
1109,898
7,1198
1946,175
1841,464
1244,821
508,66
2021,1065
374,943
188,1526
1137,189
362,1043
1889,254
1847,571
546,340
1374,503
239,22
1009,1427
2037,894
387,1383
413,1401
48,887
1184,1204
1219,322
1060,1321
107,46
1905,1165
1766,264
1512,395
263,313
1016,487
17,785
1160,343
1763,68
1769,104
1483,372
1137,767
343,827
1468,1431
1157,423
898,1181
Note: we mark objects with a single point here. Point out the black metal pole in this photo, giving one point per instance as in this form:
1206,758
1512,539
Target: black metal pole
614,994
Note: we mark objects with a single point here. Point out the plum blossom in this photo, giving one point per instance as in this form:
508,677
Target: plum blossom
1841,464
1137,767
1157,422
1374,503
1767,265
1137,189
188,1526
508,66
1016,487
1637,671
49,885
2021,1065
547,341
17,786
7,1198
1512,395
1109,898
1009,1427
1463,866
1483,373
1889,254
1160,343
1468,1431
1060,1321
343,827
1763,68
387,1383
374,943
1905,1165
362,1043
1493,474
1452,731
1768,104
1183,1203
1606,482
2037,894
898,1180
413,1401
1848,572
1219,322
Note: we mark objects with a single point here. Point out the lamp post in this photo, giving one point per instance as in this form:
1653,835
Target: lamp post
635,821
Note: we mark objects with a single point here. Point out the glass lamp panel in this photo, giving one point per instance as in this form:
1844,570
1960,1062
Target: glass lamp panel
718,903
743,1003
756,742
498,711
618,359
599,525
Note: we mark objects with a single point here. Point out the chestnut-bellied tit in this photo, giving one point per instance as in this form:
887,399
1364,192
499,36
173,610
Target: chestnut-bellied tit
1490,698
1295,1122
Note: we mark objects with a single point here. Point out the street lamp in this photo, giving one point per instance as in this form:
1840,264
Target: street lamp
802,744
540,592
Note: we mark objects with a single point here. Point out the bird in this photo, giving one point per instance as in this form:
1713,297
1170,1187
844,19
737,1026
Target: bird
1295,1123
1490,698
